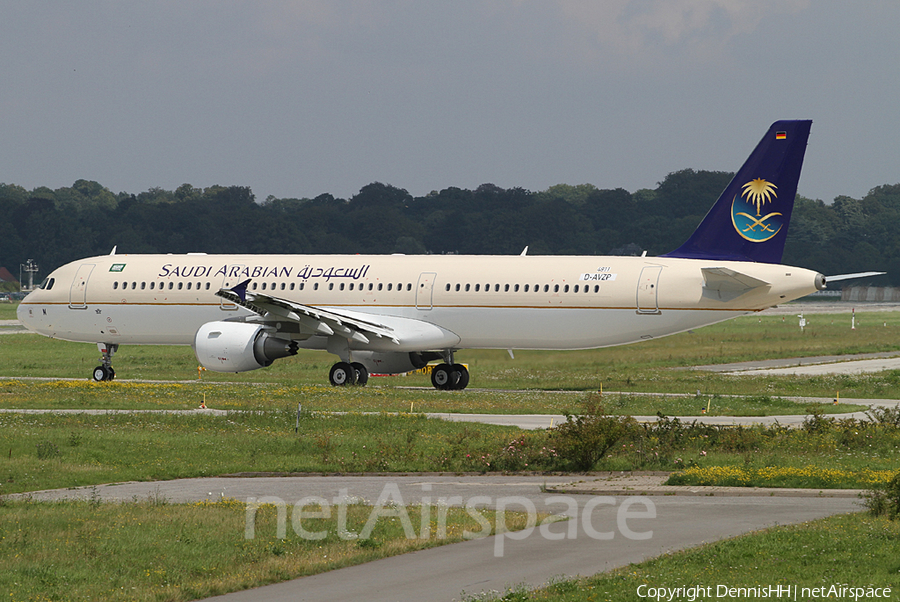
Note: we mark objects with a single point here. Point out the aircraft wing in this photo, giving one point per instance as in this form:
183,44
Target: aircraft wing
320,321
368,330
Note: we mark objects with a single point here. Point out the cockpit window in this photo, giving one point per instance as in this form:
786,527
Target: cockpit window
47,283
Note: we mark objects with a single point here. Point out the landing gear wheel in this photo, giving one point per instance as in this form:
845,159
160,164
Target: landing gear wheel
444,377
342,374
362,375
463,376
103,373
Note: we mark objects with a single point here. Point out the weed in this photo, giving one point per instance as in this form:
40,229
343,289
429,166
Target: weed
47,450
884,500
583,439
887,417
368,544
94,500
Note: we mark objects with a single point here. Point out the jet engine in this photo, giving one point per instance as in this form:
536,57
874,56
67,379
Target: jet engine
239,346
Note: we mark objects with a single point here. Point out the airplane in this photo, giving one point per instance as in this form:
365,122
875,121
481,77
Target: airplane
391,314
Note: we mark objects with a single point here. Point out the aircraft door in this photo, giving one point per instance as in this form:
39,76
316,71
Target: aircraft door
648,290
232,278
424,290
78,291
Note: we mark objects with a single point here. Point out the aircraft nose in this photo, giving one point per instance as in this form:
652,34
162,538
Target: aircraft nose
21,312
820,282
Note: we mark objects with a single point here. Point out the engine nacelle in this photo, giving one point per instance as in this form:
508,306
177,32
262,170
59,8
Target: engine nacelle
239,346
377,362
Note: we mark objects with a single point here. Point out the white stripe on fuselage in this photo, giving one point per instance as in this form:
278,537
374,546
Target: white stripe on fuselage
121,307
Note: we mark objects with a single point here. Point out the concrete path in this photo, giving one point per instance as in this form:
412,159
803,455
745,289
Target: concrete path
848,367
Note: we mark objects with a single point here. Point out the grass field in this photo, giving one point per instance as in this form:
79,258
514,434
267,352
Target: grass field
643,367
50,451
156,551
85,394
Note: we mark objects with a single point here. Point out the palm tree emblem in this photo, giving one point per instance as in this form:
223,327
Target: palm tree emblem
759,228
758,192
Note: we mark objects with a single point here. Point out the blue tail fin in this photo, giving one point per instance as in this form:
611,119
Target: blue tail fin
750,220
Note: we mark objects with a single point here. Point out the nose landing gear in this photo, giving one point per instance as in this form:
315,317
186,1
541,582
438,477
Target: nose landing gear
105,371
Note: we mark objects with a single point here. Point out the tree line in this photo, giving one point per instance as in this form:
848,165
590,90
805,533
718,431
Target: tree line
57,226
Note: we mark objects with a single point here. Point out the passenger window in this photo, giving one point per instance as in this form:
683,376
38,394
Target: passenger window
526,288
447,287
143,285
477,287
282,286
315,286
342,286
390,286
180,285
555,288
497,288
380,285
254,286
575,290
457,287
115,285
189,286
371,285
566,289
596,288
263,286
152,285
516,289
505,288
207,286
331,286
409,286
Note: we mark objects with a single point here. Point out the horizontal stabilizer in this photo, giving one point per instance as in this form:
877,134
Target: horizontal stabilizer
851,276
729,281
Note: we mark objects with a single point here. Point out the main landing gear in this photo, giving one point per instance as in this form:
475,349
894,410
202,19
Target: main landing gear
105,370
447,376
450,377
347,373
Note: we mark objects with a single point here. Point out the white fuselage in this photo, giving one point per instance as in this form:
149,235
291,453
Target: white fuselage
499,302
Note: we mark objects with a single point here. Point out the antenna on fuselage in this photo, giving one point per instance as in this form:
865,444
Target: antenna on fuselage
113,252
524,252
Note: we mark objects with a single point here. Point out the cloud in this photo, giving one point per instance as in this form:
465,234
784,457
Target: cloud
648,31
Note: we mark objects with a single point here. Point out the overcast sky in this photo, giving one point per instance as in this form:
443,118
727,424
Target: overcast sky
298,98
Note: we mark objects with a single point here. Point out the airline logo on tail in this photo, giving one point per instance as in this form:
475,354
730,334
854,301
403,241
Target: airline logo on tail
750,216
